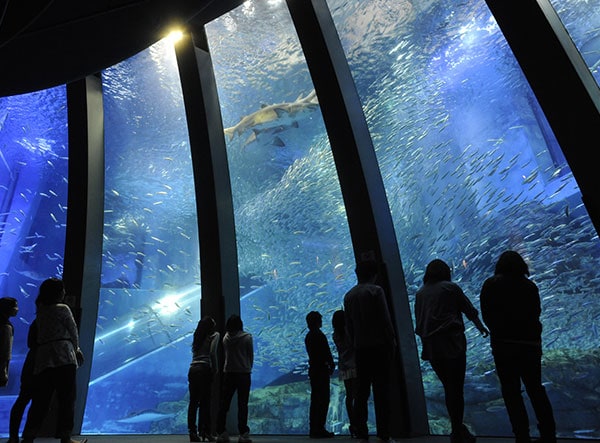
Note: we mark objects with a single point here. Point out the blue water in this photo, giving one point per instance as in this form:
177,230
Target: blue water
470,168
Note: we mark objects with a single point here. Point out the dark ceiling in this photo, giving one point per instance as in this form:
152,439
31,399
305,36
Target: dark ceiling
45,43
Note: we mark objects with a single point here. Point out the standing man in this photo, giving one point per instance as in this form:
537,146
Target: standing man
371,333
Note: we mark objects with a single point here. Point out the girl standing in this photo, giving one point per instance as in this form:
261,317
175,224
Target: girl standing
8,308
346,364
200,378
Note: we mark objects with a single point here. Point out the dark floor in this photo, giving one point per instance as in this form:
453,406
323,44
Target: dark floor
276,439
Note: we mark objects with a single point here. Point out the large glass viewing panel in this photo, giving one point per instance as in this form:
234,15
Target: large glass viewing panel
149,302
295,253
33,211
471,169
581,18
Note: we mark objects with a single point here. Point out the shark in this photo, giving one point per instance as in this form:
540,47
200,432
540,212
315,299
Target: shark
274,118
146,416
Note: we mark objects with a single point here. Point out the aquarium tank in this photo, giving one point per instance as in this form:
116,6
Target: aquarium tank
33,210
470,166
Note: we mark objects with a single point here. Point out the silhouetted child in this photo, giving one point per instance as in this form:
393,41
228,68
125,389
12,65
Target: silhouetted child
320,368
27,388
8,308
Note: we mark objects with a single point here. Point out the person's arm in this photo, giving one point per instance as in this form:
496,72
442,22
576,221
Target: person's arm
32,335
71,327
386,318
5,351
330,360
213,353
471,312
251,352
480,326
349,321
485,302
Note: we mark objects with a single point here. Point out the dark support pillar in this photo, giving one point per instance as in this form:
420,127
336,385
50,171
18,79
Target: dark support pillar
218,250
85,216
562,83
366,204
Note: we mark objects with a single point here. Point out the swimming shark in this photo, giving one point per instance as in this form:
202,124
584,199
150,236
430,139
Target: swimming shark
274,118
146,416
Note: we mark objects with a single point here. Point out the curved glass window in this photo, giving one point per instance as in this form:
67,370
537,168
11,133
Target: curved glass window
294,248
33,210
471,169
149,301
582,21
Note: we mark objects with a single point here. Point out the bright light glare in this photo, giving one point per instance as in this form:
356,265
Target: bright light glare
174,36
168,305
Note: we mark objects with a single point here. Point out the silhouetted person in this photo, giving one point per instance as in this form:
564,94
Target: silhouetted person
439,308
346,364
8,309
57,357
511,308
200,378
320,368
27,387
371,333
239,358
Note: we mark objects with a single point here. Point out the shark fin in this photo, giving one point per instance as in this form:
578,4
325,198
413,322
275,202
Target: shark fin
251,138
281,112
229,133
277,141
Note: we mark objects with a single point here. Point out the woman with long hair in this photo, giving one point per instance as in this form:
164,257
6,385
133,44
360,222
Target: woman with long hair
200,378
239,358
511,308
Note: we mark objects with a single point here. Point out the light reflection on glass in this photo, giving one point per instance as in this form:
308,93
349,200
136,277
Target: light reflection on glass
150,283
582,21
471,168
33,209
294,246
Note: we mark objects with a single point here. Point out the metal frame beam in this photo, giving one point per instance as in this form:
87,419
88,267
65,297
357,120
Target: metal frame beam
85,217
562,83
214,204
368,213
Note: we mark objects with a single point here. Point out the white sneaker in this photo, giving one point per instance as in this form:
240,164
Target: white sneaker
244,438
223,437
